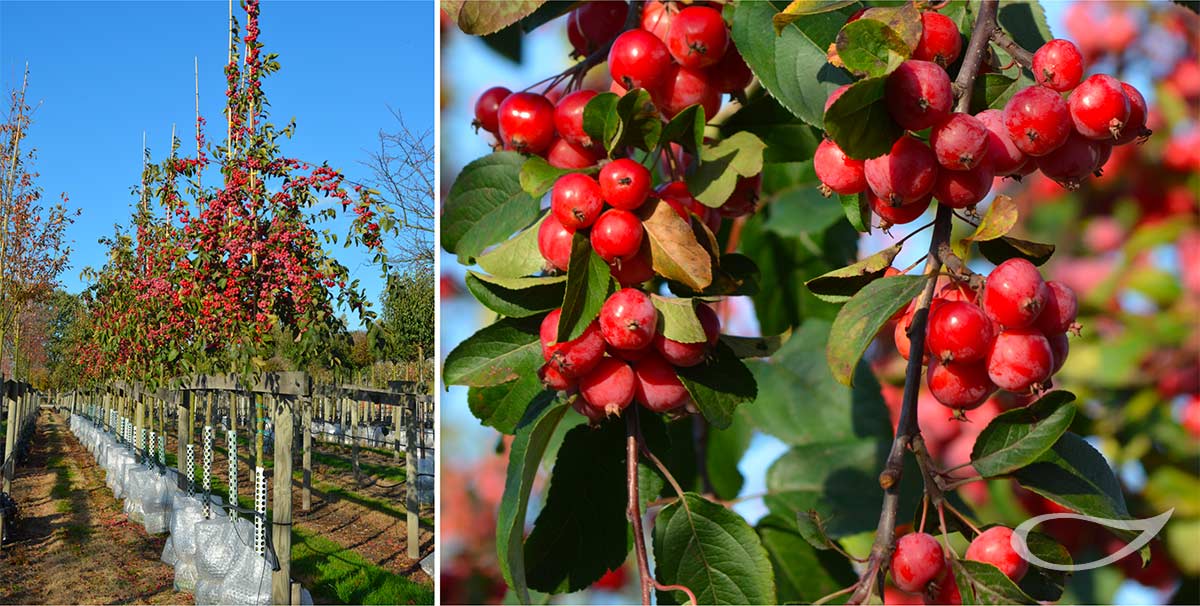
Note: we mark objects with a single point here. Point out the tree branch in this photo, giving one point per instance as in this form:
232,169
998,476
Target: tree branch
976,52
634,510
1023,57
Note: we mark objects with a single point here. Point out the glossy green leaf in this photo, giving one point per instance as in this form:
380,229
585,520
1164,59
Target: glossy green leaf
486,205
1018,437
538,177
497,354
589,282
839,285
862,317
722,164
480,17
859,121
503,406
516,257
802,573
516,297
880,40
677,319
719,385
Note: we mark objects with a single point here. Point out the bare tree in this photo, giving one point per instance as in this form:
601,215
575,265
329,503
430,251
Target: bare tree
402,170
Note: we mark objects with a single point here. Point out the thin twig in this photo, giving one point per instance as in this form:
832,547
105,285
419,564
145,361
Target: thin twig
634,508
835,594
975,53
1014,50
691,596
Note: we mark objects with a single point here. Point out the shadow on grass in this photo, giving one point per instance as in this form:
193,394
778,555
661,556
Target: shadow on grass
341,575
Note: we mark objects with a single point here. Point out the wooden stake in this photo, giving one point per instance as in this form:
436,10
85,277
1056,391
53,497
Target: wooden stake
281,510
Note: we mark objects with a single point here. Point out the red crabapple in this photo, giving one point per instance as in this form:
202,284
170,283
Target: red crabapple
628,319
960,142
1060,348
959,332
919,94
657,384
593,24
609,387
1038,120
487,106
581,406
1099,107
680,354
896,215
698,37
683,87
638,59
944,590
574,358
839,173
526,122
568,117
564,154
617,234
837,92
916,560
964,188
906,174
554,242
1005,157
657,17
624,184
744,199
1058,65
634,270
1071,162
575,200
730,74
1015,294
1135,125
961,386
903,342
555,380
940,42
1061,308
1020,359
710,322
994,546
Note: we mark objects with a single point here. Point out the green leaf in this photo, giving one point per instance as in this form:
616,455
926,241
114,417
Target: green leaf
802,573
992,91
879,41
497,354
740,155
838,480
724,451
538,177
516,297
481,17
863,316
987,584
677,319
1000,218
589,282
675,253
788,140
1076,476
629,120
507,43
546,13
533,436
711,551
754,347
1004,248
503,406
719,385
1041,584
581,533
859,121
798,8
1018,437
736,274
839,285
486,205
686,129
600,119
857,211
802,211
1025,22
516,257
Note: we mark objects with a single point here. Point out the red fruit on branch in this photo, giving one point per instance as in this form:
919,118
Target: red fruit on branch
575,201
624,184
617,234
1135,125
1015,294
994,546
940,42
574,358
960,142
964,189
628,319
919,94
959,332
697,37
683,87
1020,359
1099,108
658,386
487,108
526,122
610,387
906,174
837,171
1038,120
916,560
554,242
1071,162
1058,65
960,385
897,215
568,117
1061,308
594,23
638,59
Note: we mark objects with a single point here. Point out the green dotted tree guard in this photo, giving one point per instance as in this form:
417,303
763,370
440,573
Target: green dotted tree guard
162,451
207,470
260,510
191,470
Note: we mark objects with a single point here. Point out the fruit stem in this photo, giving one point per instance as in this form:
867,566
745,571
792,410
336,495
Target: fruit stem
634,510
977,50
1010,46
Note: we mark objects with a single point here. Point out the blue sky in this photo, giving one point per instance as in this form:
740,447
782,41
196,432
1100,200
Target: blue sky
104,72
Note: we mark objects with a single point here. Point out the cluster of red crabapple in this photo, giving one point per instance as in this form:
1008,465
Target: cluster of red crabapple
919,565
681,57
1067,139
1014,338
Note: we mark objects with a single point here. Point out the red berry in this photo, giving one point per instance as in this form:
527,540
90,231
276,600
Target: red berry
904,175
609,387
634,270
568,117
526,122
900,335
487,107
1058,65
940,40
916,560
835,95
1060,348
1061,308
839,172
628,319
680,354
896,215
554,242
961,386
617,234
698,37
710,322
638,59
1135,125
1020,359
944,590
730,74
994,546
1015,294
594,417
959,332
1005,157
658,386
575,200
1099,107
555,380
684,87
575,358
1038,120
624,184
564,154
593,24
919,94
963,189
960,142
657,17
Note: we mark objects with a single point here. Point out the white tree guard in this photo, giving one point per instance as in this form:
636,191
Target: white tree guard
260,510
207,470
233,470
191,470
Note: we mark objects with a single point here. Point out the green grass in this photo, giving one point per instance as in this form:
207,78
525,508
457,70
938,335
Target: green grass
341,575
386,472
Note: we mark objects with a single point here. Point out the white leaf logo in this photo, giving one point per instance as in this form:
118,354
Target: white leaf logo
1149,528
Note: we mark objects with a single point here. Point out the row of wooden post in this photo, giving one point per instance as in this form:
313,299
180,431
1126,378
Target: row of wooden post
21,402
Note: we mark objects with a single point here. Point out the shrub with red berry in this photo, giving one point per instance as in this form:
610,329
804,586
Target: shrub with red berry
627,200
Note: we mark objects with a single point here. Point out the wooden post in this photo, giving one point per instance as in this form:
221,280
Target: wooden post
355,406
138,424
281,512
410,491
181,436
306,427
10,445
396,416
